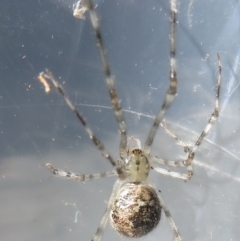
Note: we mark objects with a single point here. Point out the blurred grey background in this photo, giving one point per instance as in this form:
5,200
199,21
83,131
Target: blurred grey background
36,128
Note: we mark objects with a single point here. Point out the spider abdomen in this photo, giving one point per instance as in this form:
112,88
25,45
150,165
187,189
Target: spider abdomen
136,210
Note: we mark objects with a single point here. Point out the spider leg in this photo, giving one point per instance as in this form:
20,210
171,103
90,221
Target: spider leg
211,120
177,163
117,109
48,76
174,136
173,79
79,177
191,151
102,225
170,173
170,219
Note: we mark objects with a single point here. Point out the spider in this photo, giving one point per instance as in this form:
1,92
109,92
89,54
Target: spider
135,205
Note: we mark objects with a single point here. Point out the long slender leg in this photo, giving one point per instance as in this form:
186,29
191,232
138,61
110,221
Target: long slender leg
170,219
211,120
99,233
168,173
174,136
177,163
117,109
173,79
79,177
163,124
46,77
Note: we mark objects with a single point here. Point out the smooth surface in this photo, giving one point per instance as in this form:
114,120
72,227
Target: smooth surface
36,128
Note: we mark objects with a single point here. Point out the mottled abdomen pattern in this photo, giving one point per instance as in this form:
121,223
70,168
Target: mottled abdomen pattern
136,210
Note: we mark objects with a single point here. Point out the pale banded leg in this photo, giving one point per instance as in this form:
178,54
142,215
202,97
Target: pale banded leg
103,223
79,177
173,79
47,76
211,120
173,226
177,163
117,109
191,151
168,173
175,137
